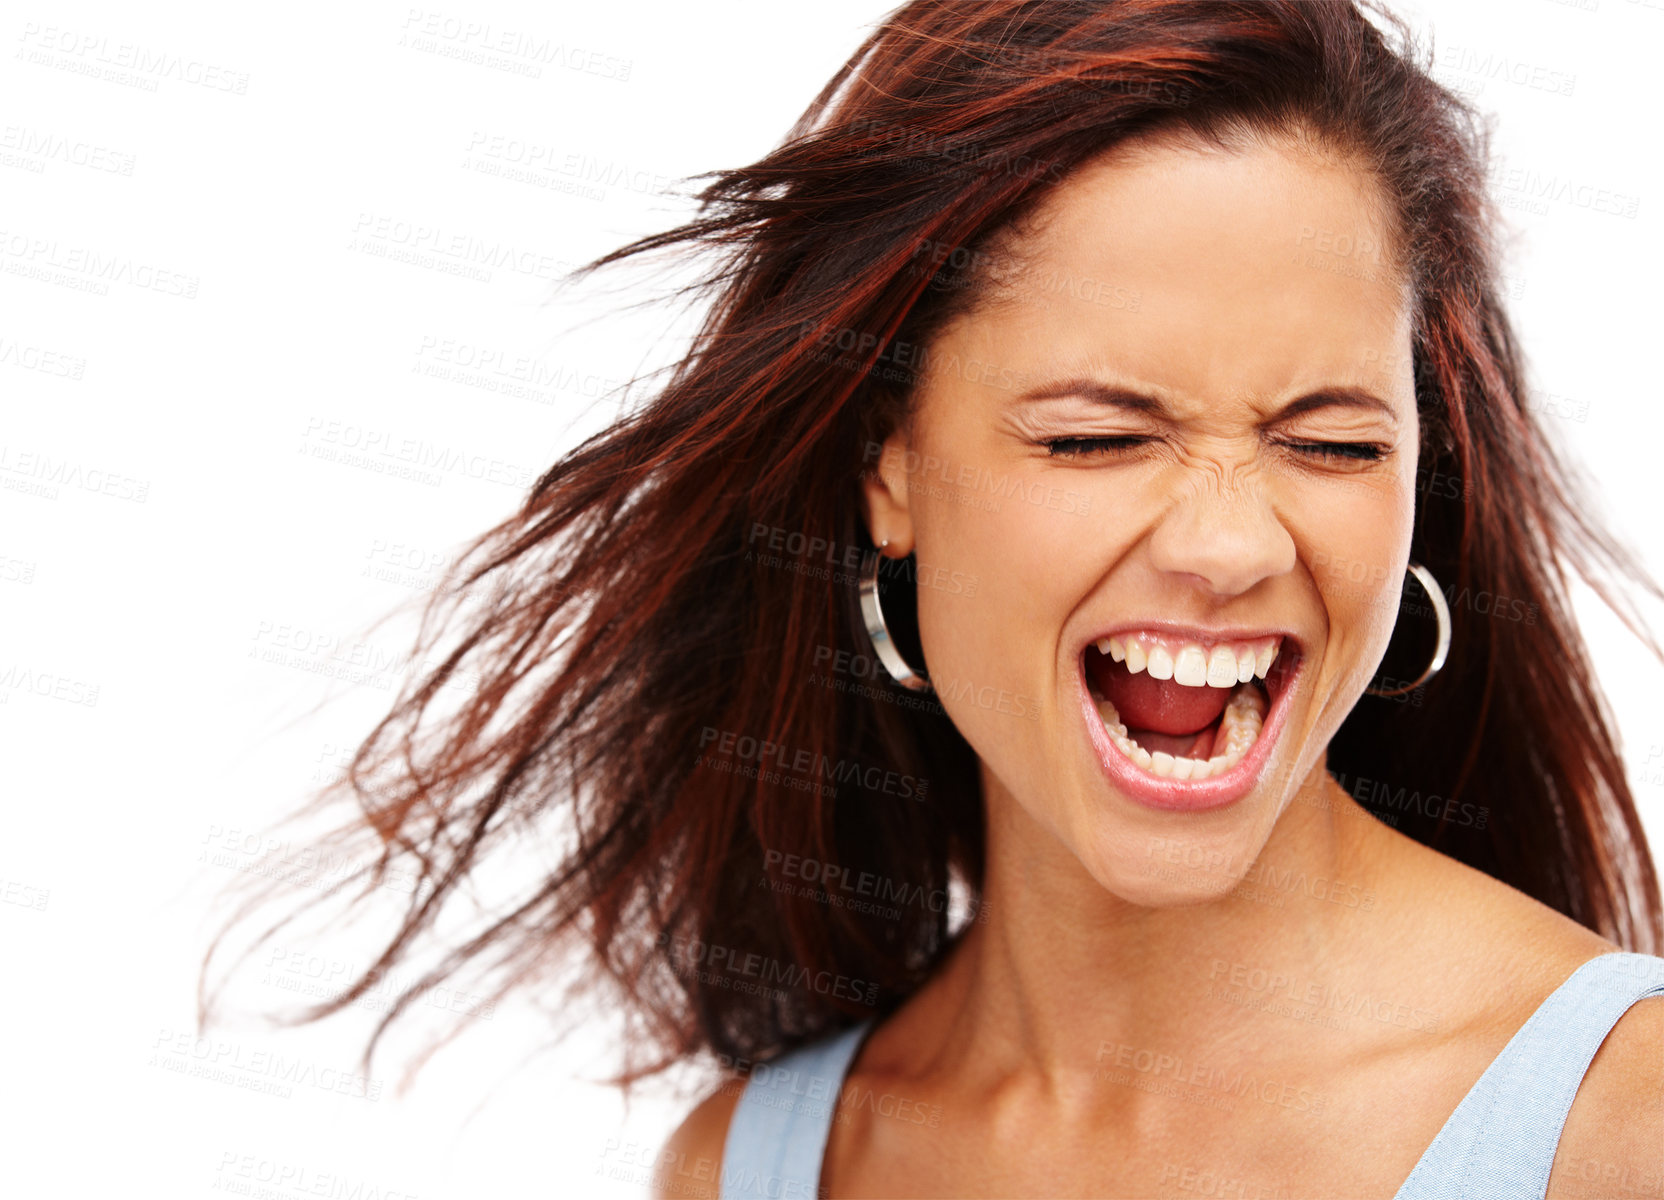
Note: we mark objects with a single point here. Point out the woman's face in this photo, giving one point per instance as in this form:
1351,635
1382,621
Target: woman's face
1234,323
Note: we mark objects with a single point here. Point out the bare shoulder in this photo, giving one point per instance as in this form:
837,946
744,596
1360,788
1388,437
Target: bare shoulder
690,1165
1613,1140
1462,924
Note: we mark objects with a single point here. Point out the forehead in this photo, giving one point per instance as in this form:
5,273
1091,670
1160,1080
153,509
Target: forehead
1204,272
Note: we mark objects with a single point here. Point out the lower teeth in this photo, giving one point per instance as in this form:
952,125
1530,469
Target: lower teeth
1244,715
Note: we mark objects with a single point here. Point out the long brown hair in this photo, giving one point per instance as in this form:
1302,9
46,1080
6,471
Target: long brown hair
750,860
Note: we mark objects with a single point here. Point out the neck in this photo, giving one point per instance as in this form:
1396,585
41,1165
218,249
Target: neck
1060,968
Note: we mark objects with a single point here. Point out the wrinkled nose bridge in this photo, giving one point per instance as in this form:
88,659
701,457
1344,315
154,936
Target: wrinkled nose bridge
1213,489
1221,525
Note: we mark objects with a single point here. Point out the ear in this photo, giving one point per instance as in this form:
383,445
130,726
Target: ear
884,493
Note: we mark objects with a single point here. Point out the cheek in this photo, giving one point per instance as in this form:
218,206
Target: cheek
1027,547
1003,562
1355,542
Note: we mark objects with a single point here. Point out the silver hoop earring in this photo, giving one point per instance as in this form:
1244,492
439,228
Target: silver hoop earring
1441,610
882,644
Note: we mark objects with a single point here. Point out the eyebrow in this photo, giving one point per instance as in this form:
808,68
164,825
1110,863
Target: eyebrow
1135,401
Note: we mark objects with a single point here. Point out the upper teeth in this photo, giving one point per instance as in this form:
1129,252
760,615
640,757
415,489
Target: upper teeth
1193,664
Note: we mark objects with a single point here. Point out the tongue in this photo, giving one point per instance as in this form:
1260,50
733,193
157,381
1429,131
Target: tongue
1157,705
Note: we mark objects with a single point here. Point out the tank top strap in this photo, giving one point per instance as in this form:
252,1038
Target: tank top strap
777,1135
1502,1138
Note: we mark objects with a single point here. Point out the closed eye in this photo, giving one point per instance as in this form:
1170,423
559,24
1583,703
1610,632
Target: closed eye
1078,447
1361,451
1075,446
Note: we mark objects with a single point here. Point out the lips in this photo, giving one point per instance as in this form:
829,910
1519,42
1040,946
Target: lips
1234,779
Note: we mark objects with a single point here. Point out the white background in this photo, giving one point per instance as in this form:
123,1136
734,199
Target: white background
235,555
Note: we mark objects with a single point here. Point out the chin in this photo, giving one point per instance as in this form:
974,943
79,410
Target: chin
1162,872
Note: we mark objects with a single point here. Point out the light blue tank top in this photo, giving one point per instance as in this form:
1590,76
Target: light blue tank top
1499,1143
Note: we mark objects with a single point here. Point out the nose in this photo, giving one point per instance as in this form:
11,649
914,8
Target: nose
1224,534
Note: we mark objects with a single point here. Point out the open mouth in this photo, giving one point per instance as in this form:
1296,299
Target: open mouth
1187,723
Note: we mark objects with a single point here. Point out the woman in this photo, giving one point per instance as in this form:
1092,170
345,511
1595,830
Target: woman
1102,487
